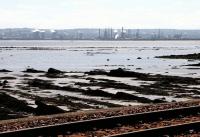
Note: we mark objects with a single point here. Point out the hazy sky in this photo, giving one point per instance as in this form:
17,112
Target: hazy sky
180,14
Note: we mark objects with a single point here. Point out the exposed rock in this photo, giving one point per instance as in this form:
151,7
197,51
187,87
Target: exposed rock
32,70
161,100
43,84
26,75
193,68
54,71
14,104
123,73
196,65
44,109
100,93
97,72
8,114
8,78
195,56
5,70
37,82
126,96
48,85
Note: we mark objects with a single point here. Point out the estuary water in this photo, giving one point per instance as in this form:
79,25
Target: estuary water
88,55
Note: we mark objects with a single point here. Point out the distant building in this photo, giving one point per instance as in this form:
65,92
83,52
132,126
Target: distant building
98,34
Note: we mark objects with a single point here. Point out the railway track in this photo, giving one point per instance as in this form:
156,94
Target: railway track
163,131
71,128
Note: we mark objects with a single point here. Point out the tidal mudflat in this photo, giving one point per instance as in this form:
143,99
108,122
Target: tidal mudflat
37,77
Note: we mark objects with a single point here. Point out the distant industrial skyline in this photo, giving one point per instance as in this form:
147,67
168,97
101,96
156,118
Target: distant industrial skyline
61,14
98,34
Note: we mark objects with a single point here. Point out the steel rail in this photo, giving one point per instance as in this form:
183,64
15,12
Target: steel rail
108,122
166,131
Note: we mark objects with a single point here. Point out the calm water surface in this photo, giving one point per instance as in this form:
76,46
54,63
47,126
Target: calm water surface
89,55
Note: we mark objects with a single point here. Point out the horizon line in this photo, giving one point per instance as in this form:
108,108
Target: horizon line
117,28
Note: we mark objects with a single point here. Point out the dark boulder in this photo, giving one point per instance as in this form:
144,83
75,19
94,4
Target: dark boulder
31,70
97,92
5,70
124,73
126,96
97,72
44,109
160,100
54,71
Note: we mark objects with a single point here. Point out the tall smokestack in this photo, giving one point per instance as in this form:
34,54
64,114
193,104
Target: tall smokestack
99,33
111,33
122,35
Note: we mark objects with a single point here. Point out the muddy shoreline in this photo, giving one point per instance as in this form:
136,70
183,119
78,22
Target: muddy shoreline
38,92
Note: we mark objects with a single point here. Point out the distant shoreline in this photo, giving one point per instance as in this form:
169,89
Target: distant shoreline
99,40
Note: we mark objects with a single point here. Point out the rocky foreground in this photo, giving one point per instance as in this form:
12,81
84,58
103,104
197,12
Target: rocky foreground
17,124
35,92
